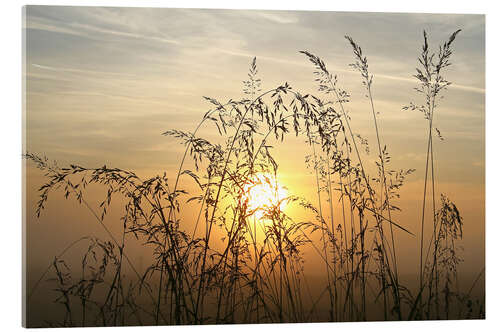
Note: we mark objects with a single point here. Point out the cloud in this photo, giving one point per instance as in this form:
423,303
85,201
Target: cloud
90,31
86,27
78,70
283,19
415,81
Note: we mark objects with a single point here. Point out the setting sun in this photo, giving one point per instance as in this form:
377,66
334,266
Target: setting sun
264,192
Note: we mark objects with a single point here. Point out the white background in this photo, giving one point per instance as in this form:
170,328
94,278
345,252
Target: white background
11,149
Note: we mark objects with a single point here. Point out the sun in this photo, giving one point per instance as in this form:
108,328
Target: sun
262,193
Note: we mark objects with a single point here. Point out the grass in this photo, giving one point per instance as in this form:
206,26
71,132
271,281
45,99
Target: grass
256,272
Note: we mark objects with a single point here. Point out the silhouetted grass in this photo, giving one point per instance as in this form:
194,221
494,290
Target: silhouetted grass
194,279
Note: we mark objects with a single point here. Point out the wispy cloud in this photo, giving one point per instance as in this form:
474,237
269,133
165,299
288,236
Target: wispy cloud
415,81
283,19
78,70
89,31
94,29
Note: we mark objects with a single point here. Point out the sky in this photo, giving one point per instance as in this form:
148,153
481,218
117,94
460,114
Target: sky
102,84
96,75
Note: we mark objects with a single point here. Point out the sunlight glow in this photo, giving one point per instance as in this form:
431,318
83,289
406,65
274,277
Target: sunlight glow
263,193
